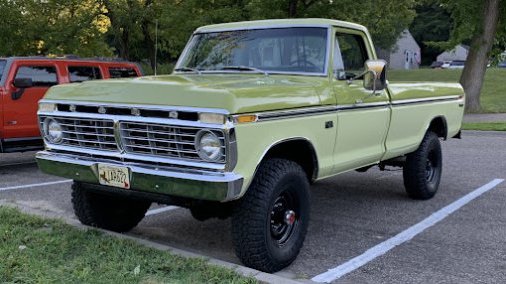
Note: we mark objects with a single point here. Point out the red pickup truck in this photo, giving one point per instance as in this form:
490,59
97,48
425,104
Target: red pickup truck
25,80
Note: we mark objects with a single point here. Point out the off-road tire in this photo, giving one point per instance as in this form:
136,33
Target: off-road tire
422,171
110,212
277,181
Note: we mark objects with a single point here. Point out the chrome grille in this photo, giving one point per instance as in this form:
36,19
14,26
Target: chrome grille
87,133
162,140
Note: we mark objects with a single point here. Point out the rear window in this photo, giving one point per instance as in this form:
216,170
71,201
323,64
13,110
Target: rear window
84,73
42,76
122,72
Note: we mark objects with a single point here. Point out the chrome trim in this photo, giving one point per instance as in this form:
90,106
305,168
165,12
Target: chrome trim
232,157
214,72
425,100
268,25
200,175
222,186
311,111
147,107
119,151
127,118
362,106
272,115
183,143
146,158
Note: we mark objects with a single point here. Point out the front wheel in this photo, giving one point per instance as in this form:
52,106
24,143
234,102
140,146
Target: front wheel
270,222
110,212
422,171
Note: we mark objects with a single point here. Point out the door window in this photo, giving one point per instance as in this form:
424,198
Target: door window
42,76
122,72
350,55
84,73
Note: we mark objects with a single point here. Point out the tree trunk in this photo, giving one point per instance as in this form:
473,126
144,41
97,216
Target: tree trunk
292,8
477,60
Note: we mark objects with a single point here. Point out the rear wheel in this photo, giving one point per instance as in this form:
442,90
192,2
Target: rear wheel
270,222
422,171
110,212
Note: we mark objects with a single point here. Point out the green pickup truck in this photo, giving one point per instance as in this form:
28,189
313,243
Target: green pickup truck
252,115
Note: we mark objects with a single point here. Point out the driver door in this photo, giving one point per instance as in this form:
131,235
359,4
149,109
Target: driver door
20,113
363,117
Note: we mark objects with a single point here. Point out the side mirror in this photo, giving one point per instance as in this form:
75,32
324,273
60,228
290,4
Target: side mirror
23,83
375,75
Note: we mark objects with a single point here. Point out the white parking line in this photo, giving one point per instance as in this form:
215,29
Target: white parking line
160,210
35,184
384,247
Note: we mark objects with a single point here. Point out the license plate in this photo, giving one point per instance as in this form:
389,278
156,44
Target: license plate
114,176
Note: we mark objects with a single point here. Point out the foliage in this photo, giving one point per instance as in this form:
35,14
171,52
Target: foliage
466,18
36,250
127,27
386,19
432,24
33,27
485,126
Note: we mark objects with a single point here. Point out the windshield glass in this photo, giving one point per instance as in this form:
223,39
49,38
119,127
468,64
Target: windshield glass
285,50
2,67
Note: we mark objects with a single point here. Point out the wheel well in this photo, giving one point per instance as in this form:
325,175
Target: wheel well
438,126
300,151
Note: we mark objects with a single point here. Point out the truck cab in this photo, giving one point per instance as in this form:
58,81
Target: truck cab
25,80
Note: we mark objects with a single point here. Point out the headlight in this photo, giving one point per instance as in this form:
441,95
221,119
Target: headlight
209,146
52,131
215,118
47,107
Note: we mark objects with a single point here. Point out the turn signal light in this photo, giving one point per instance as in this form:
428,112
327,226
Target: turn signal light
248,118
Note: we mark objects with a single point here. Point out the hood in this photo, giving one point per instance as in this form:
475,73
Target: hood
237,93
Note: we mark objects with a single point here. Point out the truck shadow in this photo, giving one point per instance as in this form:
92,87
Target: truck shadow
348,212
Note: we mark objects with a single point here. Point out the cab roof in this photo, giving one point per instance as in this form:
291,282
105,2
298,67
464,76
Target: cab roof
280,23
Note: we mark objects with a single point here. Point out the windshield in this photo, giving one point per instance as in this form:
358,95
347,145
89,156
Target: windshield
284,50
2,67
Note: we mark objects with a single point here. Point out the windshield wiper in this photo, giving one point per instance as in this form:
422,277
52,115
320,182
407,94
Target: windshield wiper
244,68
188,69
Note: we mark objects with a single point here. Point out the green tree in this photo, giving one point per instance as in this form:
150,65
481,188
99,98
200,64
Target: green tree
42,27
483,23
385,19
431,24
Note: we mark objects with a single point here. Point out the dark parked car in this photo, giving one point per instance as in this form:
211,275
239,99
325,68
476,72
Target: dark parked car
437,65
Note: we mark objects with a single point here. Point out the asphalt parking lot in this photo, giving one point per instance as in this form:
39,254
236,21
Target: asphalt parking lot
353,215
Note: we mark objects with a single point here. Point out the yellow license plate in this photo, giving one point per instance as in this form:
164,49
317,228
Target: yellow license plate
114,176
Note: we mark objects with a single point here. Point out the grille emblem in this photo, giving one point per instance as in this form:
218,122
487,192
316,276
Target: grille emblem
102,110
173,114
136,112
72,108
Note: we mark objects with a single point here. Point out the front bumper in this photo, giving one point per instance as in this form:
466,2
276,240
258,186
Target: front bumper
146,178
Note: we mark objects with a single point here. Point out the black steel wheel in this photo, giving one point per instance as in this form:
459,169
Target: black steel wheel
423,168
270,222
284,219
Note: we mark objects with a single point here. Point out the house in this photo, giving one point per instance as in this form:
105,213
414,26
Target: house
404,55
459,53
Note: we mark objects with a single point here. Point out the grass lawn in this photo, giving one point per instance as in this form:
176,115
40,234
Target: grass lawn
37,250
493,95
485,126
